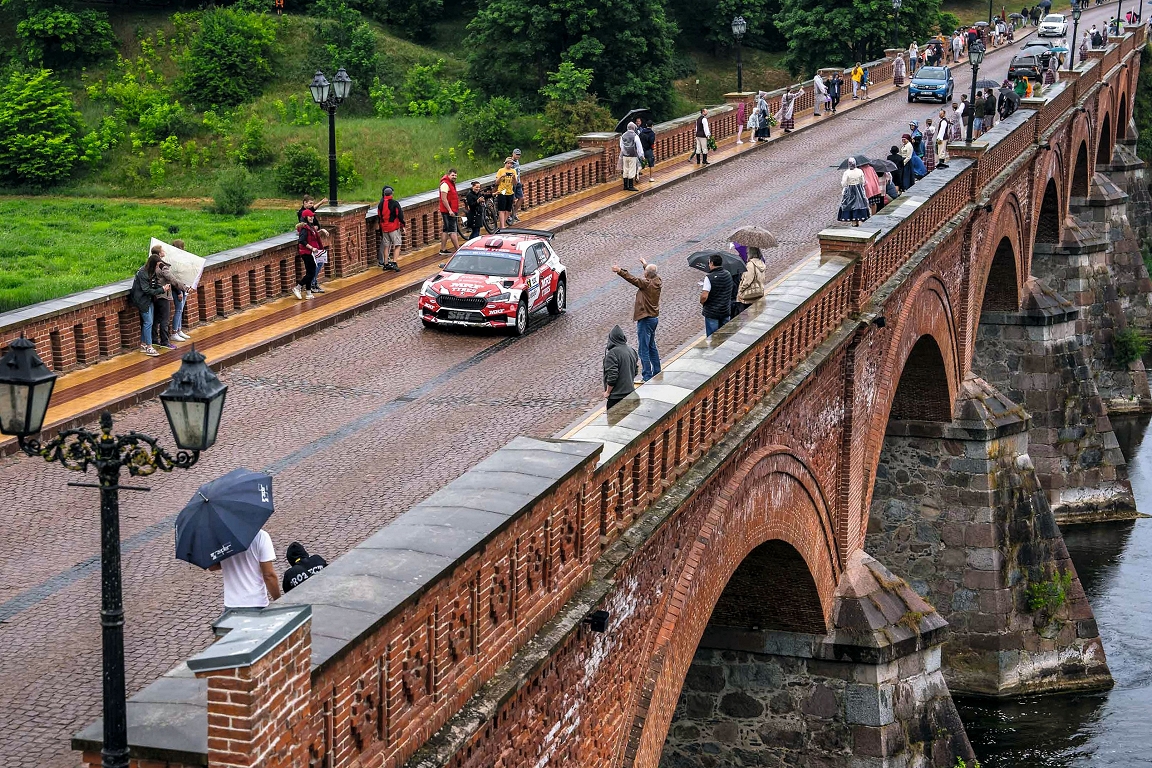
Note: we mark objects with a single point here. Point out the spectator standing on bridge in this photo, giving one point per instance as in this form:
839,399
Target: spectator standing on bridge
619,367
517,189
717,291
957,46
646,314
147,291
250,576
474,202
648,142
897,175
1084,44
703,133
390,218
1050,72
929,145
307,246
179,299
857,73
819,94
989,109
449,211
978,114
751,282
835,89
913,58
302,566
854,199
898,72
872,189
741,116
631,150
505,191
785,116
865,81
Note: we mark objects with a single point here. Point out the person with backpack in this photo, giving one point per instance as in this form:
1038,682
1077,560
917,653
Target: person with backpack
648,142
391,222
630,153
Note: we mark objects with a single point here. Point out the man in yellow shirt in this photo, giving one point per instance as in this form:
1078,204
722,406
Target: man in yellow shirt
505,190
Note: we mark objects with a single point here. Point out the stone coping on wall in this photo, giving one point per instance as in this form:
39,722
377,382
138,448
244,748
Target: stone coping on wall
640,411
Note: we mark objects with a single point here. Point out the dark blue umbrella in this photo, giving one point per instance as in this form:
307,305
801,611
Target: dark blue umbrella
223,517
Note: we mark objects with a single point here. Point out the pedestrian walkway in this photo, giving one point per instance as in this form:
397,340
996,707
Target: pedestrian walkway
130,378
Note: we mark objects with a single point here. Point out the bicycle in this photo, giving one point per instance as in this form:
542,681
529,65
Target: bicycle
488,217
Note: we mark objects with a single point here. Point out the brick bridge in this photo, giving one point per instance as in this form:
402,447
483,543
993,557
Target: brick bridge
756,559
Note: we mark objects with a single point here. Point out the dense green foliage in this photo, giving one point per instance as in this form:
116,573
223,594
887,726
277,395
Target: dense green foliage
228,60
301,171
1142,106
40,129
59,37
710,21
514,44
348,41
1128,346
488,126
570,110
233,195
824,33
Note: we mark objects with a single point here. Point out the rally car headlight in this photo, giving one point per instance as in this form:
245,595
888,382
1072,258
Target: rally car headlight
430,291
499,297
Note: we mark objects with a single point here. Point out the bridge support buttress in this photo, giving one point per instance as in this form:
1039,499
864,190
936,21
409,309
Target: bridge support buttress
1035,358
870,694
959,512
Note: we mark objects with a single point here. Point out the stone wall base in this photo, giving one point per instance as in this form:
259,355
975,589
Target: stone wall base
959,512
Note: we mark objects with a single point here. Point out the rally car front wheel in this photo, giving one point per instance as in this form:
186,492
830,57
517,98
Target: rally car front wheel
521,326
559,301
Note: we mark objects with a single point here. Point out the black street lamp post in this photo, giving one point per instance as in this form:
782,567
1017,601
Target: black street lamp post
1076,11
896,24
975,56
193,403
328,96
739,27
1119,7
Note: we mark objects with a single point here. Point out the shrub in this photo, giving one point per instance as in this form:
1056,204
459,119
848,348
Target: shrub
346,170
411,18
1049,595
948,21
1128,346
254,149
571,110
56,37
233,194
228,61
488,127
39,129
301,171
161,120
383,99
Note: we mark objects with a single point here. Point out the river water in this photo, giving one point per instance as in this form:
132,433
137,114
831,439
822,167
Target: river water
1106,730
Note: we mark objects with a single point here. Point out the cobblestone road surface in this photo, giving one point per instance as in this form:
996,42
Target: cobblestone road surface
362,420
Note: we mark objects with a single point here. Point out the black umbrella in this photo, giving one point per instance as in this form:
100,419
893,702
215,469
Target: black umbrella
860,160
223,517
980,24
1015,15
987,84
633,117
883,166
732,262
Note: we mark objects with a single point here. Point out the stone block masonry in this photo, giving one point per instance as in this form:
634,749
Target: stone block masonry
959,512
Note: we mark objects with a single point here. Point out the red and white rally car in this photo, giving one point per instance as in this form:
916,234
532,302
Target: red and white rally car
497,281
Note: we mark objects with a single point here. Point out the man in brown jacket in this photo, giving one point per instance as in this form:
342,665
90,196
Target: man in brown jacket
646,313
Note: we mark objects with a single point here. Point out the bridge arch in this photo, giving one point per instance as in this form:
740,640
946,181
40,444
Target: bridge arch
1105,142
765,558
1080,172
1050,214
1122,118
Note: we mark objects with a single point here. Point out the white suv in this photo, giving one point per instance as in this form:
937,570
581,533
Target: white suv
1053,25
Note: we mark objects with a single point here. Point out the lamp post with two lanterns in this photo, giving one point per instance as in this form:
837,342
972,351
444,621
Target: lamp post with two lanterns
193,403
328,96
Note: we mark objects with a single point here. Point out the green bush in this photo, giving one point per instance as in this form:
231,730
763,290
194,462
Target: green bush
428,95
1128,346
1050,594
411,18
383,99
233,194
301,171
949,21
39,129
346,172
57,37
228,61
254,149
488,127
161,120
571,110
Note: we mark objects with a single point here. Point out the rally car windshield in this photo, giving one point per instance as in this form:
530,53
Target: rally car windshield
480,263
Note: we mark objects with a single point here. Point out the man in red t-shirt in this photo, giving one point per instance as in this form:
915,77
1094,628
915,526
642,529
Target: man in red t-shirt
391,218
449,210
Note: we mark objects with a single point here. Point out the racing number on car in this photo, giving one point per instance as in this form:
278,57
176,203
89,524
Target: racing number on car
533,287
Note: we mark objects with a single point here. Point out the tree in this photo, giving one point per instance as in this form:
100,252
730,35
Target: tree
228,60
628,44
828,33
571,110
348,42
58,37
39,129
710,21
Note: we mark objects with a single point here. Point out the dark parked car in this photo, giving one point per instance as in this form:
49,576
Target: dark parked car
932,83
1030,67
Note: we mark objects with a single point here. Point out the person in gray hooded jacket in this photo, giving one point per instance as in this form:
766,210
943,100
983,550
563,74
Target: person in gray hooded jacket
620,362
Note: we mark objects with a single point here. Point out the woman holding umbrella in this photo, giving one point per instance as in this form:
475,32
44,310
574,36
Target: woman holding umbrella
854,201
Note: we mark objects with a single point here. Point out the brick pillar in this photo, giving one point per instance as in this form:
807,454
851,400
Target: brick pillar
259,688
348,253
609,145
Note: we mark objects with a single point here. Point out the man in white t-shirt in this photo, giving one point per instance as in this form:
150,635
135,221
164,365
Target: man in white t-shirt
250,577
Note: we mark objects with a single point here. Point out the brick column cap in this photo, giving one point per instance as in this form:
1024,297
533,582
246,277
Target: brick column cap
342,210
739,95
250,634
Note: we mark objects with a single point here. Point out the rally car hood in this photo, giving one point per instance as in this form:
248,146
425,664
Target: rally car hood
469,285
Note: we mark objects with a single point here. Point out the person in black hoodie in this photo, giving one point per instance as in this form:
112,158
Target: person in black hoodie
620,363
148,291
717,291
303,566
648,141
